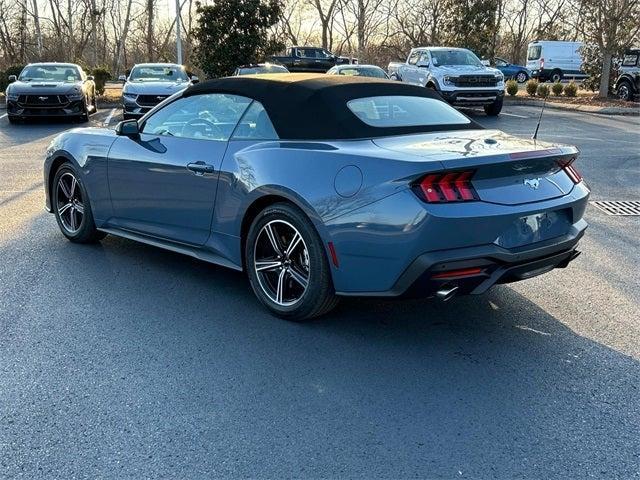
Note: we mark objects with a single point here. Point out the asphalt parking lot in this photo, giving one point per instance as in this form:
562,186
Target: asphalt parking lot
120,360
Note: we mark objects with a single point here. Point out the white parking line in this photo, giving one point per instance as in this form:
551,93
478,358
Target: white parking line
513,115
2,116
108,119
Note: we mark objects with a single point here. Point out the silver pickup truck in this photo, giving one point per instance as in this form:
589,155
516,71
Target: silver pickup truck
455,73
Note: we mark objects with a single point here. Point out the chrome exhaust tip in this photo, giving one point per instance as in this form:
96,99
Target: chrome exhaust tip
446,293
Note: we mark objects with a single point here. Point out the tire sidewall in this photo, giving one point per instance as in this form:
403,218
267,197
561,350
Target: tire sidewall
318,264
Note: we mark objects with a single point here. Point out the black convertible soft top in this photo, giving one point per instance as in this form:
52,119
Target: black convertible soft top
314,106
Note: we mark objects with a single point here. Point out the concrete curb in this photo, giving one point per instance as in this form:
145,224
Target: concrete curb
572,107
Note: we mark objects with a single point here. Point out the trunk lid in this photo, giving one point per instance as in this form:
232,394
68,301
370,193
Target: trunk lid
508,170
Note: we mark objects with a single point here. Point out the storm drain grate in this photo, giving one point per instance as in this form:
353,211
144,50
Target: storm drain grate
618,207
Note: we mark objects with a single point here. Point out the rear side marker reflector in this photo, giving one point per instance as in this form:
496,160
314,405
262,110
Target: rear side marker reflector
447,187
463,272
334,255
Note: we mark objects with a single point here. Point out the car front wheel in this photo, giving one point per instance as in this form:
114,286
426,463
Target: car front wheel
522,77
287,265
71,207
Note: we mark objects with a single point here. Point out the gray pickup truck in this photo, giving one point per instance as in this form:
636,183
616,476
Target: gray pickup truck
457,74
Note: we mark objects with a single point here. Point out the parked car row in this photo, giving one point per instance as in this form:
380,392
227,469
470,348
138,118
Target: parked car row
457,74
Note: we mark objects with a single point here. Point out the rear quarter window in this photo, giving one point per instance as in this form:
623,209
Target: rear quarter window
405,111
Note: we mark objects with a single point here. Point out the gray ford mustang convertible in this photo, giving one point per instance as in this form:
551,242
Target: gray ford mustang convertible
324,186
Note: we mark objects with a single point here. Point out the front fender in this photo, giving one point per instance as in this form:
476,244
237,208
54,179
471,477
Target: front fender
87,149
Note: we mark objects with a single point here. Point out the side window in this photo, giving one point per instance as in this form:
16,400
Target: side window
210,116
500,62
413,58
423,58
255,125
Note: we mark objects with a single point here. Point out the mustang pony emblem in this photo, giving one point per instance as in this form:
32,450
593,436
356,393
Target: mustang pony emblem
42,99
532,182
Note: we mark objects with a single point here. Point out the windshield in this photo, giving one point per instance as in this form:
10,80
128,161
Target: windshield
158,73
454,57
262,69
50,73
534,52
374,72
405,111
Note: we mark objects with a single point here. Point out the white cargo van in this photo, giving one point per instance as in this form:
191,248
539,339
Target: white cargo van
552,60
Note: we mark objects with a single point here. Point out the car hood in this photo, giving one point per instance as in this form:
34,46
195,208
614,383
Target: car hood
154,88
466,69
43,88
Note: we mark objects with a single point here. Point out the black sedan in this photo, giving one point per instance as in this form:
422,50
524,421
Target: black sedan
51,90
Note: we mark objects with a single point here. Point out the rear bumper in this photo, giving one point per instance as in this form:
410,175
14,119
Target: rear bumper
395,246
473,97
427,274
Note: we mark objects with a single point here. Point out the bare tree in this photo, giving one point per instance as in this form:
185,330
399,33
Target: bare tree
612,25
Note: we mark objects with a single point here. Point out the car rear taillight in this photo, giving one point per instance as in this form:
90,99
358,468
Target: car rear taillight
446,187
571,171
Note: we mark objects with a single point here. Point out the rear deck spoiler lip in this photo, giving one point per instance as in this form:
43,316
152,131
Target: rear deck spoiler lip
546,152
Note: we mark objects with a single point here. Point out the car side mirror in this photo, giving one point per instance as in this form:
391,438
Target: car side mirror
12,78
122,78
422,64
90,77
128,128
194,79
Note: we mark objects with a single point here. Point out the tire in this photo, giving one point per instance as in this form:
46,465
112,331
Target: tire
625,91
13,120
522,77
556,76
85,116
296,286
494,109
70,203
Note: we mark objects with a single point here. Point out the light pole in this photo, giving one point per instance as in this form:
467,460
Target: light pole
178,39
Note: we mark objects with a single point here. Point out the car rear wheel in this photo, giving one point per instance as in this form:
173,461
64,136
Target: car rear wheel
556,76
287,265
71,207
522,77
624,91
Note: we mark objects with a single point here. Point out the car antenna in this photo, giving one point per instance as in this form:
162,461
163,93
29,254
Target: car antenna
535,134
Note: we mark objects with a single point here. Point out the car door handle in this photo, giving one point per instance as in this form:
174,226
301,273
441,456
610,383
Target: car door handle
200,168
